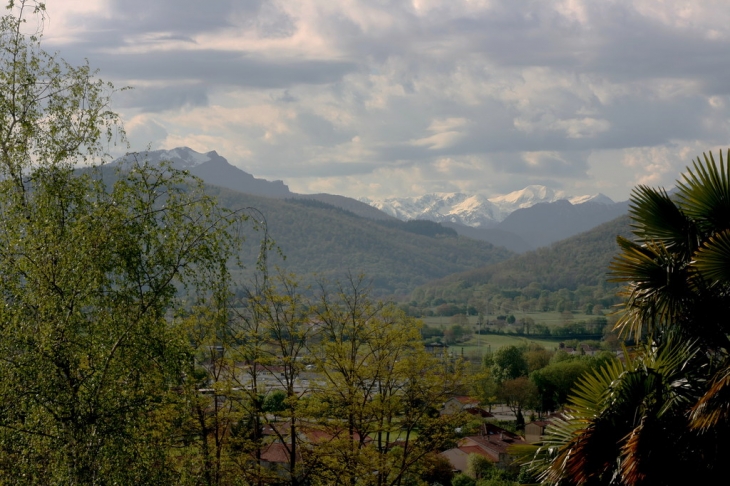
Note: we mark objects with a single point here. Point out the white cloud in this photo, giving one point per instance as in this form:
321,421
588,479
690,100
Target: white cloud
412,96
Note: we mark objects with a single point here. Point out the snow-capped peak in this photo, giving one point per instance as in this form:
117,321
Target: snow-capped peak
474,209
529,196
595,198
184,156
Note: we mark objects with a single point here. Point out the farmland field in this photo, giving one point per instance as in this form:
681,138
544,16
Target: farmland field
547,318
478,345
492,342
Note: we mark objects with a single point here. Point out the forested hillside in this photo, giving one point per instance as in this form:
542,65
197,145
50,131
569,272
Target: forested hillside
317,238
573,270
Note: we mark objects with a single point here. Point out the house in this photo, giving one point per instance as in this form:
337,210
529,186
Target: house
275,456
464,404
492,442
458,404
437,348
535,430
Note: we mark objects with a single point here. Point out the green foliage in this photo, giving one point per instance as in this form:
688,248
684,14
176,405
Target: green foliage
485,472
89,279
555,381
621,409
573,270
463,480
509,364
421,227
379,381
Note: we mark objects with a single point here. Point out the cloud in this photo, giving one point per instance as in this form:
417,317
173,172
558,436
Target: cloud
143,131
414,96
159,98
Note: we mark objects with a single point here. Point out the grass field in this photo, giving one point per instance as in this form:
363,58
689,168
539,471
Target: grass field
547,318
479,345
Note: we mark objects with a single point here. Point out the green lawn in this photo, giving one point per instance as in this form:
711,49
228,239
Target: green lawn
547,318
479,345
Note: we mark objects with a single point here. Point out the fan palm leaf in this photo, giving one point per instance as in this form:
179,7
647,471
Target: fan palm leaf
658,285
618,417
661,417
714,406
704,194
712,259
657,218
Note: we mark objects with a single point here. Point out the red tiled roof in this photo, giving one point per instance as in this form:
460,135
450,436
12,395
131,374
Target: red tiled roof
479,411
275,453
466,400
475,450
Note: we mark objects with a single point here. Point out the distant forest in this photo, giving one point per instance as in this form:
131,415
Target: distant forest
569,275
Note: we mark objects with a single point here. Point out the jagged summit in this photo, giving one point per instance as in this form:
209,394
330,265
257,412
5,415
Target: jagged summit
186,156
476,210
213,169
471,210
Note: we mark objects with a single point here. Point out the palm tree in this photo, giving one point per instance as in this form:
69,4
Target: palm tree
677,274
627,422
659,414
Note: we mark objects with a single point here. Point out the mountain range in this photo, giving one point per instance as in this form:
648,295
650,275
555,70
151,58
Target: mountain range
318,239
211,168
522,220
476,210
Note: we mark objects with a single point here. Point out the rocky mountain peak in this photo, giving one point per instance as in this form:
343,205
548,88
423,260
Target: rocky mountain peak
476,210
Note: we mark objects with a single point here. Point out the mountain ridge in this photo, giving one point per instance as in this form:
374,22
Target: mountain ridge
476,210
520,221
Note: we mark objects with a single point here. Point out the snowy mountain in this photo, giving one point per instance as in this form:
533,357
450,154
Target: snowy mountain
470,210
476,210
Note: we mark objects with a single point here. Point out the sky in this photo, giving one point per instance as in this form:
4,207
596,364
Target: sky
384,98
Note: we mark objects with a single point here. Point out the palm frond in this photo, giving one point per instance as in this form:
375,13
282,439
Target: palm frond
659,285
704,193
712,259
657,218
616,415
714,406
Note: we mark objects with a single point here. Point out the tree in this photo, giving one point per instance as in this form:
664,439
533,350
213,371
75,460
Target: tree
518,394
676,390
462,480
479,467
509,363
484,387
537,357
89,278
272,327
555,382
89,275
625,423
378,383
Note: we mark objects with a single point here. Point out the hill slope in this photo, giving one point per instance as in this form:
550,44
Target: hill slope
319,238
546,223
581,260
